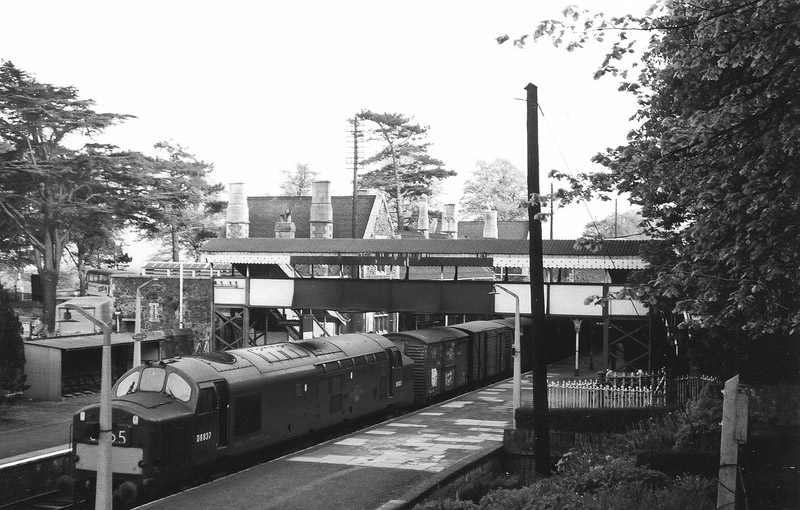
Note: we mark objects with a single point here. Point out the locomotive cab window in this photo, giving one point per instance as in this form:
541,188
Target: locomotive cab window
153,379
128,385
178,387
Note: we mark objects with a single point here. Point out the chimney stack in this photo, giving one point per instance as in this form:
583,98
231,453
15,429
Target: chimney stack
434,224
237,221
422,217
321,210
489,224
285,228
449,225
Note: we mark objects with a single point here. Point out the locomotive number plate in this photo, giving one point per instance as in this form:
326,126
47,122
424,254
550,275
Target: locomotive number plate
121,436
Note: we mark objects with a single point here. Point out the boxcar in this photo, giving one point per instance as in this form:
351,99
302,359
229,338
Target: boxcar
490,350
524,338
441,359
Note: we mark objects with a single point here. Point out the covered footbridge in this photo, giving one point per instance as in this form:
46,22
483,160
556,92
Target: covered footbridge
275,279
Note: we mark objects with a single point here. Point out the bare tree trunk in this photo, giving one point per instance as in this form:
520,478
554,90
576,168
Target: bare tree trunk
176,249
48,265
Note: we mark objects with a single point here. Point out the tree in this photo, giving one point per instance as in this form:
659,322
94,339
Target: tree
95,245
713,166
297,183
189,201
405,169
203,222
15,251
498,185
627,225
12,350
48,190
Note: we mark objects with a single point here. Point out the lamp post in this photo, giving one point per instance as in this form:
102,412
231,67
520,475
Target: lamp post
103,496
577,323
517,387
137,337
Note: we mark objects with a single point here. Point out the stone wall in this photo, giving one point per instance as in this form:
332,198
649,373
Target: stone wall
197,297
383,225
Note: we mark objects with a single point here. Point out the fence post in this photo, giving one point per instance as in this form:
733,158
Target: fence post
734,431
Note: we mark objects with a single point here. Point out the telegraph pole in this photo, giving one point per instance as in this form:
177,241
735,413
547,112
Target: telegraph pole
356,136
541,414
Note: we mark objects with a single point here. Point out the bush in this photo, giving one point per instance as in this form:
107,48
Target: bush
590,452
557,493
656,433
614,473
689,493
12,349
700,424
475,490
447,504
545,494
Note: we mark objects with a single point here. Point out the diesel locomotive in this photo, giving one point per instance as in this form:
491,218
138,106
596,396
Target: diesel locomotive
177,418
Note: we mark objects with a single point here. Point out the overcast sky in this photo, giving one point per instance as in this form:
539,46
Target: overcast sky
256,87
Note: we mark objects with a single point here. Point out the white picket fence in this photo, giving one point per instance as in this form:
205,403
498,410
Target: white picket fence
590,393
626,390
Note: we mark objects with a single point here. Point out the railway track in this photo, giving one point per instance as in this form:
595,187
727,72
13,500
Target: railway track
52,500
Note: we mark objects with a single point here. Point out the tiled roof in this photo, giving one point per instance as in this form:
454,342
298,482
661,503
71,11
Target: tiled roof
266,211
562,247
505,229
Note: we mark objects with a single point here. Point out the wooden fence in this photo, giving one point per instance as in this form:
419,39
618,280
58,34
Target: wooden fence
627,390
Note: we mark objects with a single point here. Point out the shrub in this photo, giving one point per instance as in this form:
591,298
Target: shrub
545,494
656,433
614,473
447,504
475,490
700,423
689,493
589,452
12,350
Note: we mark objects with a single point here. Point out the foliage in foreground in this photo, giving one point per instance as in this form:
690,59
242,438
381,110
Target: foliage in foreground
619,485
601,471
713,166
12,351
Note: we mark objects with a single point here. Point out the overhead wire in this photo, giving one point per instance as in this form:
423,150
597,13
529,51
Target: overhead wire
585,204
